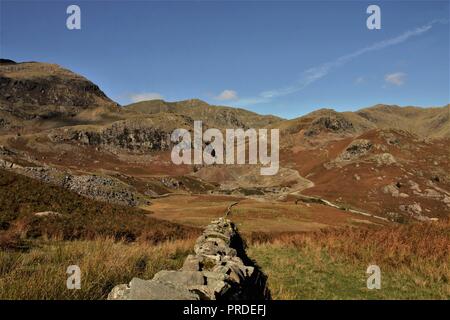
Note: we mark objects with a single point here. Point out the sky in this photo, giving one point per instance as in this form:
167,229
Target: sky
286,58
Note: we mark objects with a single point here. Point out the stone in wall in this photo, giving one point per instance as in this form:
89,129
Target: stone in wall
219,270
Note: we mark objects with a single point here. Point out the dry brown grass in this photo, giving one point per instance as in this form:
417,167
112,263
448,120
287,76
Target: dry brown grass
111,244
394,246
331,264
40,273
80,218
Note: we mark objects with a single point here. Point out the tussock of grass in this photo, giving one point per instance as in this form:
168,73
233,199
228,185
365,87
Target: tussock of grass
40,273
414,261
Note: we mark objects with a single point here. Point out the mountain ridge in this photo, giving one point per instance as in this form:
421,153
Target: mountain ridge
49,96
397,155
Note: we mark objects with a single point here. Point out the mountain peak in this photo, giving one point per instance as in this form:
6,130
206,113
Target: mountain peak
194,102
47,85
7,61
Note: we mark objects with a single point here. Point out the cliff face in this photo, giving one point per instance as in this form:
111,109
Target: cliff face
135,134
116,136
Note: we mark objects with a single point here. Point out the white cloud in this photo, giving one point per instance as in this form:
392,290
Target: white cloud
313,74
136,97
360,80
227,95
397,78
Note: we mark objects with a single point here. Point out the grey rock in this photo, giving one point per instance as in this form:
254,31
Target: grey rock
355,150
187,278
119,292
192,263
156,290
47,213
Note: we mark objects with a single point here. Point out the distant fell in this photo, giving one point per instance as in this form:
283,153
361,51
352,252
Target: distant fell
215,116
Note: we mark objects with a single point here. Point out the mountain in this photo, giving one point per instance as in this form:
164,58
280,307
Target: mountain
31,84
42,92
215,116
60,128
424,122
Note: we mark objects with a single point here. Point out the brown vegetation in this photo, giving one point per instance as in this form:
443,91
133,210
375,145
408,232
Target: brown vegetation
331,264
78,218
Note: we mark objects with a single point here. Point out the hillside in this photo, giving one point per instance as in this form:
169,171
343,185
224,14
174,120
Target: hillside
424,122
35,94
83,178
214,116
124,152
31,209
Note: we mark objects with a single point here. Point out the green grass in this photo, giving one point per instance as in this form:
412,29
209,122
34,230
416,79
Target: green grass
331,264
306,273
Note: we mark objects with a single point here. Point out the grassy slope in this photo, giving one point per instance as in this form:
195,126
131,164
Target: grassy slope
111,244
214,116
414,262
81,218
41,272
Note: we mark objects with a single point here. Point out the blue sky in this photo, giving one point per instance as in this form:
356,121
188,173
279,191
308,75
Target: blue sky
285,57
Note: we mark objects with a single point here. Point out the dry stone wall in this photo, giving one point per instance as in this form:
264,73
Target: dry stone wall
219,270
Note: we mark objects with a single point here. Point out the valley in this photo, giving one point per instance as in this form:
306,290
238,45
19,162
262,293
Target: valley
106,172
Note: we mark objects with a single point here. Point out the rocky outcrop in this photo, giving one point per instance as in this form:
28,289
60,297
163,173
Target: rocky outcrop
394,191
334,123
102,188
133,135
219,270
384,159
355,150
414,210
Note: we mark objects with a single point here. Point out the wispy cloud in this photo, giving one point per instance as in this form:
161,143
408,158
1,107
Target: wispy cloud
227,95
311,75
397,78
136,97
360,80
